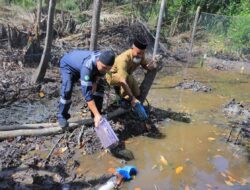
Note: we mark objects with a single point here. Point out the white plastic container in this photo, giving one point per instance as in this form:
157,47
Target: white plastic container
109,185
106,134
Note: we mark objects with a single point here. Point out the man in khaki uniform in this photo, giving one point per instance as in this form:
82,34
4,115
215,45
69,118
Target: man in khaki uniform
125,64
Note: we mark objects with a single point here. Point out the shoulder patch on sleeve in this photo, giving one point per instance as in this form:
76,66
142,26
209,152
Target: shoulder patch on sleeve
89,64
86,77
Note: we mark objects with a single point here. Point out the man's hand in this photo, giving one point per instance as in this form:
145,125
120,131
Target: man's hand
151,65
97,120
134,101
154,63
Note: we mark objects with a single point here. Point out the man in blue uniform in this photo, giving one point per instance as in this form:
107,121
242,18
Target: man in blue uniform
89,67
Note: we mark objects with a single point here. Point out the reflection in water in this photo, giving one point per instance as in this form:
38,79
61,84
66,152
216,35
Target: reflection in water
220,163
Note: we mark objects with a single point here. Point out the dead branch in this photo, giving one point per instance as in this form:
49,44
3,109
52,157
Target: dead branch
10,128
80,135
52,150
52,128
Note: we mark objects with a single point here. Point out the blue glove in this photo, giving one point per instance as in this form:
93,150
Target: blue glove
139,109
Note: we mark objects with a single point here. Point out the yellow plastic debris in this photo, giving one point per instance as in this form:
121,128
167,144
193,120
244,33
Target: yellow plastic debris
163,160
41,94
211,139
178,170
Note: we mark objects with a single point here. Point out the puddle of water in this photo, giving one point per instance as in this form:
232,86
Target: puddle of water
220,163
200,147
96,165
188,146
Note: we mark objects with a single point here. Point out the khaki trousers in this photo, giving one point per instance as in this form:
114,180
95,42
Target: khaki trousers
113,79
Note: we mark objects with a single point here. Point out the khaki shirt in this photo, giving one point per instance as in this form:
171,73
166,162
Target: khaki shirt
124,65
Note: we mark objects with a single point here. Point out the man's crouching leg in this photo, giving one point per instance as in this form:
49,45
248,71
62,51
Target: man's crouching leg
65,100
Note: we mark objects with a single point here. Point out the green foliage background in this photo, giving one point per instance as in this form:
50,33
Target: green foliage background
227,21
235,31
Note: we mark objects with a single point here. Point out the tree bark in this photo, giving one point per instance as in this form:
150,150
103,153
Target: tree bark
150,75
194,28
95,24
40,72
175,22
9,38
81,5
38,19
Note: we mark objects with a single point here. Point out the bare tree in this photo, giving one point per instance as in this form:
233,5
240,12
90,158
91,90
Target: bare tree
95,24
194,28
150,75
41,70
38,19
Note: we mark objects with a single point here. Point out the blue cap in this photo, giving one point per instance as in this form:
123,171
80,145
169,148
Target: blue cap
107,57
127,171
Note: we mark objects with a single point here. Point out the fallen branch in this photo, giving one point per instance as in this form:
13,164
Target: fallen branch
53,128
3,40
40,171
80,135
11,128
52,150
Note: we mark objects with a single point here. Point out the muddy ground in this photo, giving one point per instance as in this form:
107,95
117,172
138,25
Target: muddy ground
21,101
22,167
238,115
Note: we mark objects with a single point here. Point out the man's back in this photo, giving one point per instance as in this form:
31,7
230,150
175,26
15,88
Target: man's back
75,59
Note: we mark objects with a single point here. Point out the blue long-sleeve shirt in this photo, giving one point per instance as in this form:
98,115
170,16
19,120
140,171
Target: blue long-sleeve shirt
82,65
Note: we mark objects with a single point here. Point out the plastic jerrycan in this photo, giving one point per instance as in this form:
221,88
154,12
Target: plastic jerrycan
140,110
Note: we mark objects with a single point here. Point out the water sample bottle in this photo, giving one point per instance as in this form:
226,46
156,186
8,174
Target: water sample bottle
106,134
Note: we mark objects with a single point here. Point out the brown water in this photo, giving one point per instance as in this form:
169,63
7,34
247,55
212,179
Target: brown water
198,150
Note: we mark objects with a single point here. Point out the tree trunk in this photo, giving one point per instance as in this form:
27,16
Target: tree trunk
63,19
41,70
95,24
9,38
38,19
194,28
81,5
175,22
150,76
3,32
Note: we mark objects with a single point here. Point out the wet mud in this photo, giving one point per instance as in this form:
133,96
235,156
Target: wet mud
195,86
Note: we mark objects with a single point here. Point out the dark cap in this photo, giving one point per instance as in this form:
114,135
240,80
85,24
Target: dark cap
140,42
107,57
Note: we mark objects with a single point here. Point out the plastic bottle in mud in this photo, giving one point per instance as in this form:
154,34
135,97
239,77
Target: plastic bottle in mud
109,185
